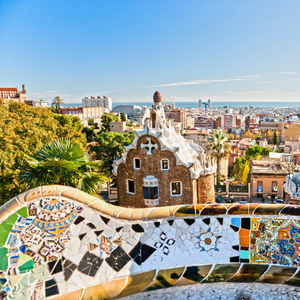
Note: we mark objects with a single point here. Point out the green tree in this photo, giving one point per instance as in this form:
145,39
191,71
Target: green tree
106,119
110,147
257,152
123,117
217,144
62,162
241,169
57,102
23,129
275,139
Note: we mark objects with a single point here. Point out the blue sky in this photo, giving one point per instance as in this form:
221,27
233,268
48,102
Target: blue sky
221,49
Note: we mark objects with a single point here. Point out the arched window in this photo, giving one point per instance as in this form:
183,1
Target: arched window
136,163
164,164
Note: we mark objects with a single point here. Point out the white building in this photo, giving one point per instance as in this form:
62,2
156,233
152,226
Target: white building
105,102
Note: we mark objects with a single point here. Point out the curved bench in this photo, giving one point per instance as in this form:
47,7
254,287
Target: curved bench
57,242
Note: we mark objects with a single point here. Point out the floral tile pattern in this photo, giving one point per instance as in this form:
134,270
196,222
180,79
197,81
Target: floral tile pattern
57,246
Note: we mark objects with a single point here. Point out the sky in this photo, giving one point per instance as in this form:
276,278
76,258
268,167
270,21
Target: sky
126,50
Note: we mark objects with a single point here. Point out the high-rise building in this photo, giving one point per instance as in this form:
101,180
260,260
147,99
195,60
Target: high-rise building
208,103
200,103
177,115
93,102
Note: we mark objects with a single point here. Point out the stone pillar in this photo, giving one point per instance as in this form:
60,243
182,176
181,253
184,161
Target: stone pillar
206,189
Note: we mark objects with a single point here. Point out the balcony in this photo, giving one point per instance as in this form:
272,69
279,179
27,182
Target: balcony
151,202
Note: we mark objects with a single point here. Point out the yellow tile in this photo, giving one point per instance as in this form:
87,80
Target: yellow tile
125,214
108,209
90,199
137,283
137,214
59,189
167,277
33,194
106,290
12,205
48,190
117,210
81,196
21,198
3,212
146,212
97,205
185,211
75,295
70,193
159,213
173,208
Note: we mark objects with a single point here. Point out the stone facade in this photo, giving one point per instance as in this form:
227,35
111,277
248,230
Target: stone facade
151,165
206,191
170,170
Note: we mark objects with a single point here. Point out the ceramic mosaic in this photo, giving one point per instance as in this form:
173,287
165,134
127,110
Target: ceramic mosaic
60,243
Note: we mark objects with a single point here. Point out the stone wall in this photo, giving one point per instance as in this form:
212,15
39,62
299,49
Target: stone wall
60,243
206,189
150,165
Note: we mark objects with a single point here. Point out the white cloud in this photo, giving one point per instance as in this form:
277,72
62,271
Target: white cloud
251,76
194,82
252,92
288,73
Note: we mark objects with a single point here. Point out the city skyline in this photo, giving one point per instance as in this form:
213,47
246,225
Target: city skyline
229,51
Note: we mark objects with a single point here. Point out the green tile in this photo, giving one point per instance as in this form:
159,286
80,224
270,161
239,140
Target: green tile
28,266
23,212
6,227
3,259
3,251
11,219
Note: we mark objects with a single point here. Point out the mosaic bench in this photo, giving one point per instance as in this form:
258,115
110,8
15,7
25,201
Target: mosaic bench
57,242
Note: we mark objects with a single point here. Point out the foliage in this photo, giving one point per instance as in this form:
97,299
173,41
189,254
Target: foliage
275,139
249,134
257,152
217,144
91,122
23,129
241,170
106,119
62,162
123,117
230,136
110,147
57,102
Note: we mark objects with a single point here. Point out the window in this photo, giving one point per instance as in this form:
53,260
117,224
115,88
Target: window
164,164
259,186
150,192
130,187
136,163
176,188
274,186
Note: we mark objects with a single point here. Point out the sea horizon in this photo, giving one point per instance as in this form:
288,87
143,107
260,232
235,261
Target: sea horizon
221,104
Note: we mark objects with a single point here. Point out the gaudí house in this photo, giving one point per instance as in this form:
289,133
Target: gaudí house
161,168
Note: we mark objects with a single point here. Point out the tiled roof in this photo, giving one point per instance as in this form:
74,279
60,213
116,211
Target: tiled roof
8,89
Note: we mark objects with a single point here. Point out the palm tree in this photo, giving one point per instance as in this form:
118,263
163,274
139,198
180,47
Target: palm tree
57,102
217,143
63,162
